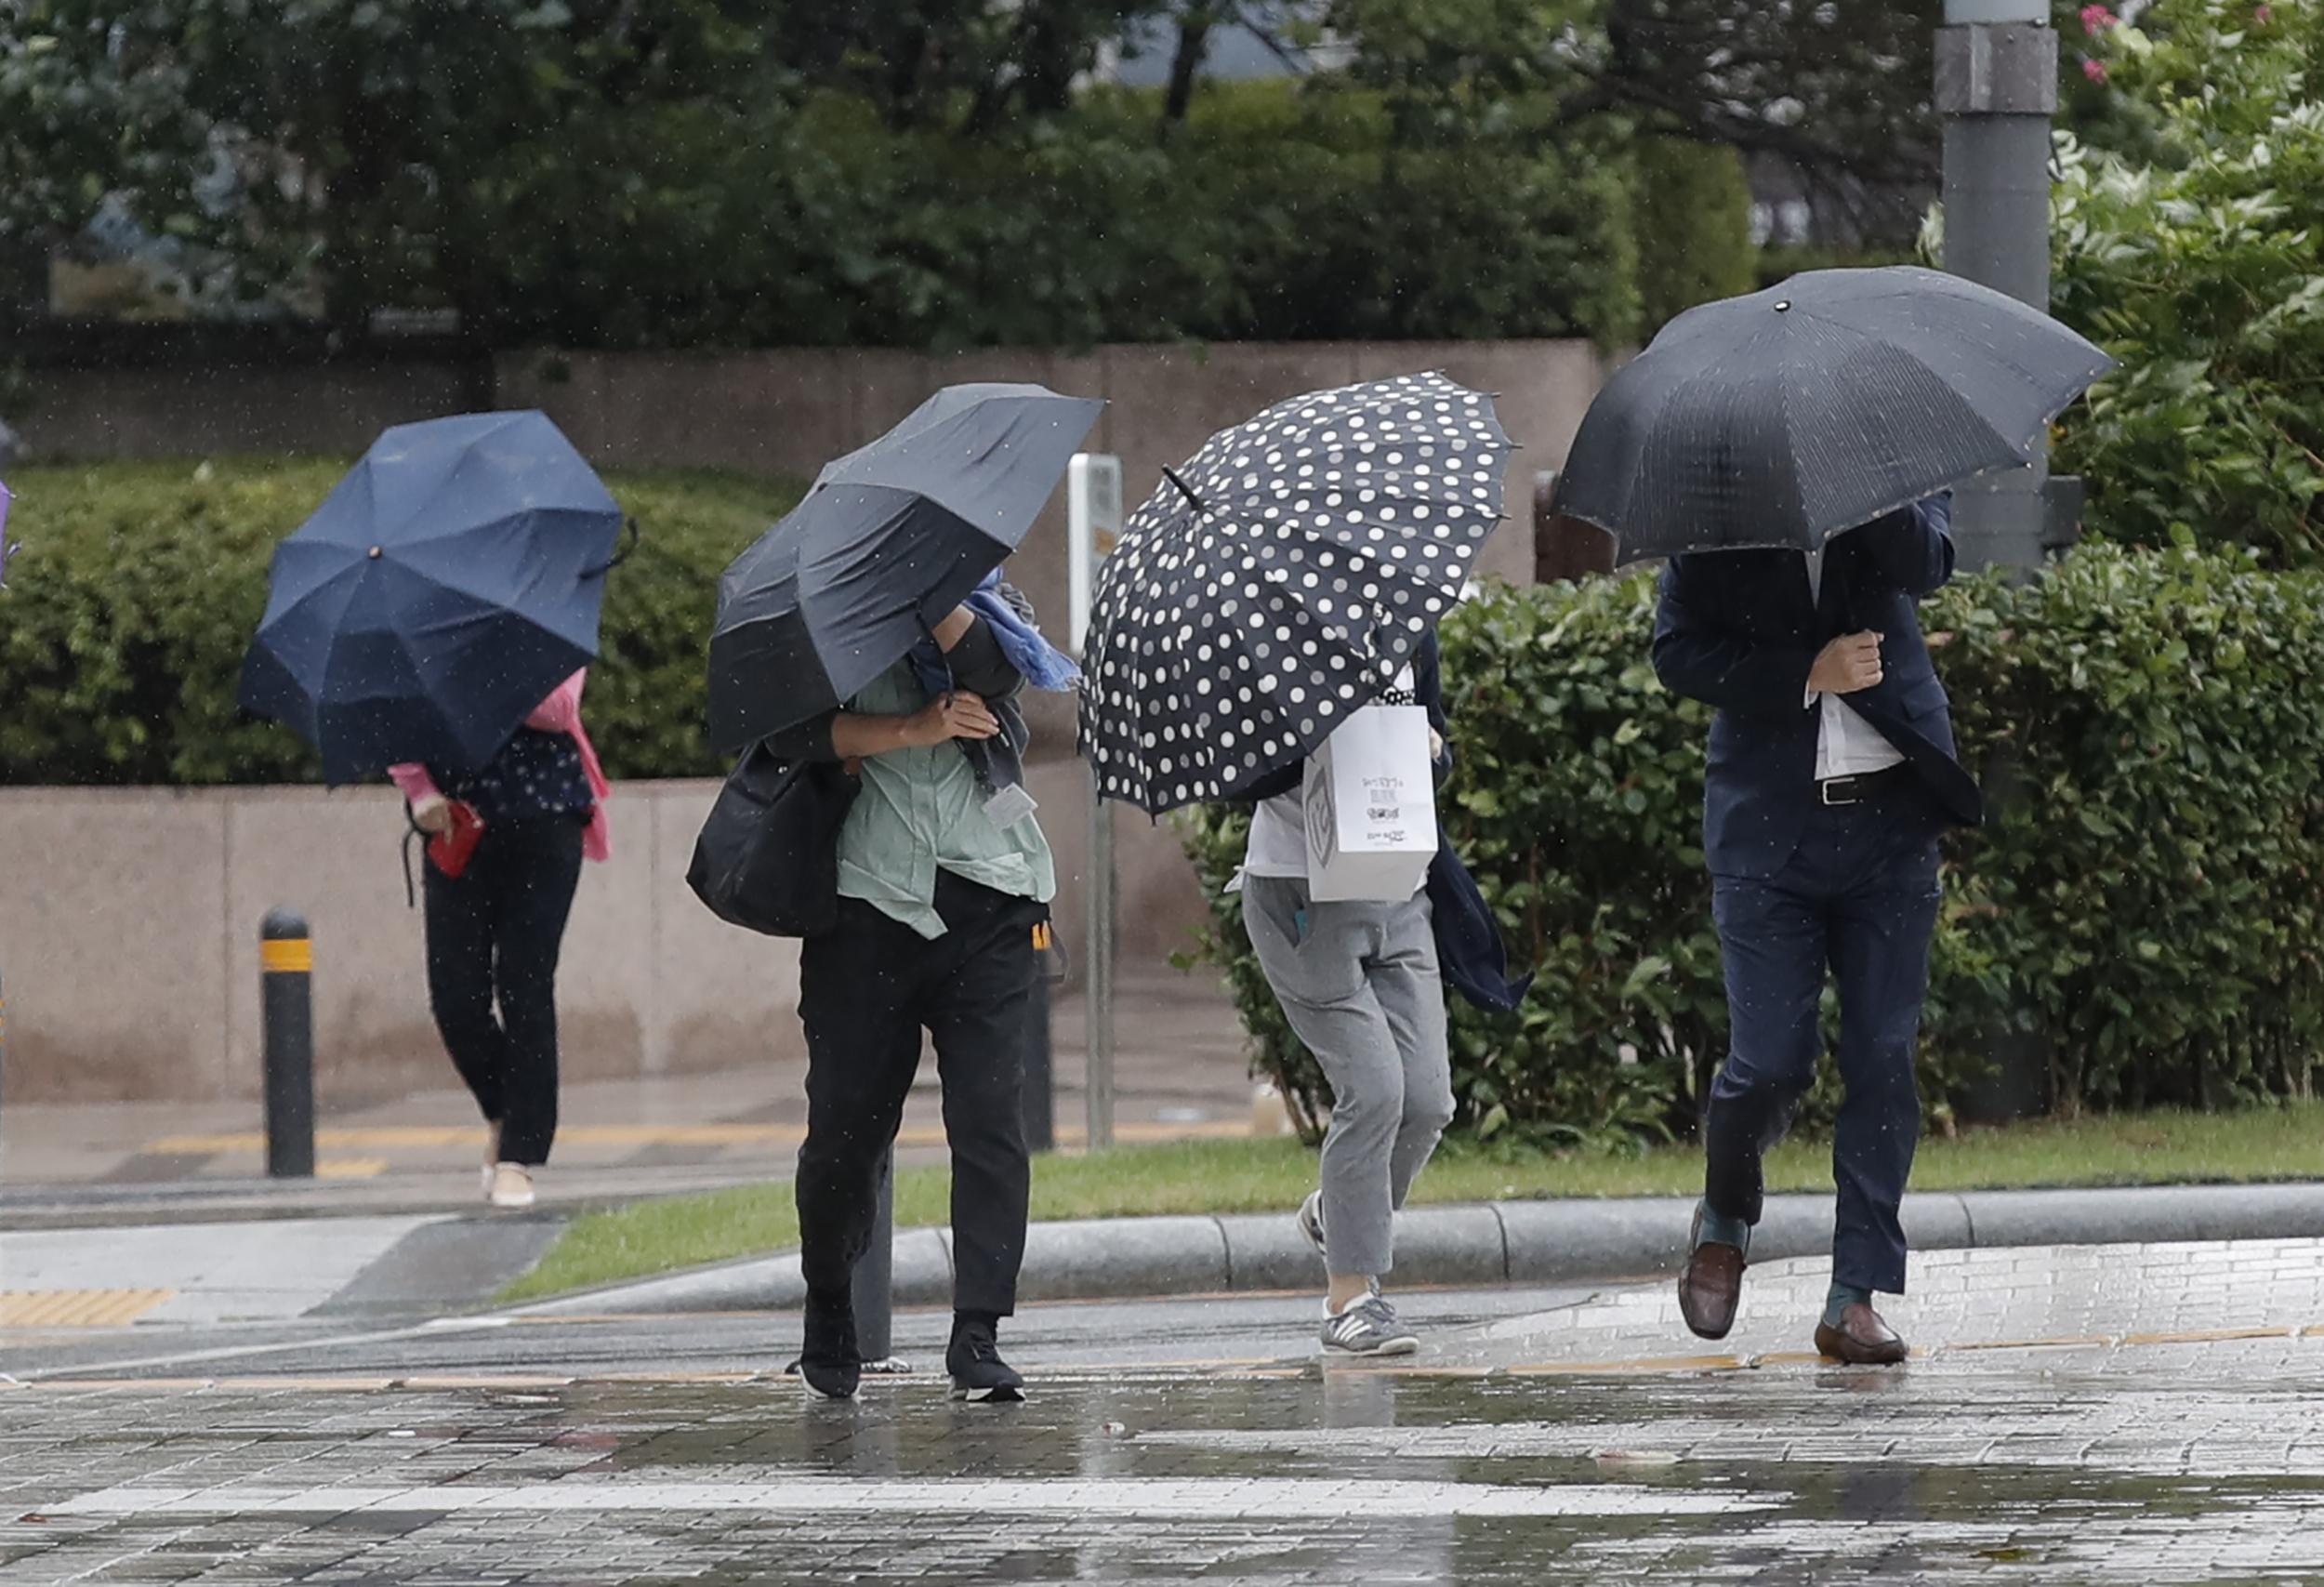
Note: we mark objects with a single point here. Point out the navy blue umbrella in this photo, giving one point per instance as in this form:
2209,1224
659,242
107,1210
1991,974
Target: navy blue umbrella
436,597
893,538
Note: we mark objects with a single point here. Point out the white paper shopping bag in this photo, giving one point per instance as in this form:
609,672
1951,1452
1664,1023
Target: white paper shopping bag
1371,808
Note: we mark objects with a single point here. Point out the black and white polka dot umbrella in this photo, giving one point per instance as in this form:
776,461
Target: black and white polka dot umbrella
1279,579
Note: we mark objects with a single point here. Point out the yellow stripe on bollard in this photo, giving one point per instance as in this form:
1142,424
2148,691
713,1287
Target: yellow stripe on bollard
288,956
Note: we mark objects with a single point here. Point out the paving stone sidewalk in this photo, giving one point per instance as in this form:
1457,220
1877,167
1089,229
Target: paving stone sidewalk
2118,1415
1182,1070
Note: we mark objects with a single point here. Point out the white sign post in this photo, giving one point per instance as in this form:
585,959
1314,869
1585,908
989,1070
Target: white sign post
1093,520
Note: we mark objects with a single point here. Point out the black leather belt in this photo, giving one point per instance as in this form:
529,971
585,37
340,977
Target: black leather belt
1856,790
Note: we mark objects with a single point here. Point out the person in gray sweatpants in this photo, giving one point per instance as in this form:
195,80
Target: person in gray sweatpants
1360,984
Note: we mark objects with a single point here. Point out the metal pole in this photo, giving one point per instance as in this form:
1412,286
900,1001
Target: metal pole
1997,90
286,960
873,1287
1097,1088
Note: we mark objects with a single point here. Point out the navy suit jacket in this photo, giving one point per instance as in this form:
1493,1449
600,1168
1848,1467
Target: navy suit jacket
1740,631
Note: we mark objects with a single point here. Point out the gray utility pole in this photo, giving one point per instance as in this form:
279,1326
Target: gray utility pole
1997,90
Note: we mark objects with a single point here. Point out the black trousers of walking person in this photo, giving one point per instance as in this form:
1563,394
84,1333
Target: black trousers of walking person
493,937
867,988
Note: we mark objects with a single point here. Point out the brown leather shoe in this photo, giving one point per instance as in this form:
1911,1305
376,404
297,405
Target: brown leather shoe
1861,1340
1711,1287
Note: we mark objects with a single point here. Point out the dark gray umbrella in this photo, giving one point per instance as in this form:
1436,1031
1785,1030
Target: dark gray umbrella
890,538
1782,417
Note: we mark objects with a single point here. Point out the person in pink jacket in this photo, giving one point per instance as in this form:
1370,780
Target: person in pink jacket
494,931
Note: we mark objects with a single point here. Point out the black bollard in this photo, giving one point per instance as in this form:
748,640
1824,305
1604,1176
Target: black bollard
286,961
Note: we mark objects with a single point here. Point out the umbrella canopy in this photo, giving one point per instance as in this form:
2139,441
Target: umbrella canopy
890,538
436,597
1782,417
1279,580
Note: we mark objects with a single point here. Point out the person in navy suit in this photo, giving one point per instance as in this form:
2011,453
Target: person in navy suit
1831,772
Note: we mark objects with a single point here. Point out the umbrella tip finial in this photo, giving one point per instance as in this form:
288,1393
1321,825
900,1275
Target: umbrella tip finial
1783,305
375,553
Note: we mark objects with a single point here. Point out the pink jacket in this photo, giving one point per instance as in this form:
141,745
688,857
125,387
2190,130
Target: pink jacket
559,713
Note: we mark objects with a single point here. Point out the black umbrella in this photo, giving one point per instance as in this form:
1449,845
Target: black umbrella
1782,417
890,538
1279,580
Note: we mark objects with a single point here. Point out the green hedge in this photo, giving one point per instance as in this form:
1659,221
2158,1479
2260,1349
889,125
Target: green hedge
123,631
2148,900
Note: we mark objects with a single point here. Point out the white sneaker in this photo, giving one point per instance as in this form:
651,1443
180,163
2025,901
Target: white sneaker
511,1185
1368,1326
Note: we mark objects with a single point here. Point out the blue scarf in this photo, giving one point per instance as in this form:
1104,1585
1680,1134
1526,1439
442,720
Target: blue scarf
1044,665
999,762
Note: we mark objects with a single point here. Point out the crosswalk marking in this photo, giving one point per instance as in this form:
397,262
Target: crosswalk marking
1273,1498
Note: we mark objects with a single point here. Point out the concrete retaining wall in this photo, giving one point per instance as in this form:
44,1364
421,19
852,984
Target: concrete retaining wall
129,940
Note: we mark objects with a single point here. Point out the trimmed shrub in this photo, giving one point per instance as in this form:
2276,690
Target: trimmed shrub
123,632
2149,903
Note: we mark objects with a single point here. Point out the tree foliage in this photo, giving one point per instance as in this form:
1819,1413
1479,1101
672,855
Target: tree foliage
375,142
2188,249
683,170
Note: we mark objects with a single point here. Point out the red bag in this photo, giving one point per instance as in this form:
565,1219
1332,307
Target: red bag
449,850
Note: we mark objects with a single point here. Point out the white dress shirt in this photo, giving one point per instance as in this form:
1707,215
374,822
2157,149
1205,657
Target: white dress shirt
1846,746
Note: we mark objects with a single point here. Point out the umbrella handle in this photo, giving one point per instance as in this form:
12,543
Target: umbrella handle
1185,489
631,538
411,892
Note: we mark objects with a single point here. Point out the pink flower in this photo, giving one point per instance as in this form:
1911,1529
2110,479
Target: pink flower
2262,15
2094,70
2096,18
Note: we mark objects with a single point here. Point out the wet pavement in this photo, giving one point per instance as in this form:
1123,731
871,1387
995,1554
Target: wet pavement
2129,1415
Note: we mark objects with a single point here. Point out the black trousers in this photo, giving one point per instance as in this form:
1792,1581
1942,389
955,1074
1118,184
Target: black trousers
493,941
867,988
1856,902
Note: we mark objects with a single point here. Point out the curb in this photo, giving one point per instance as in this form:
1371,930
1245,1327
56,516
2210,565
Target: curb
1508,1242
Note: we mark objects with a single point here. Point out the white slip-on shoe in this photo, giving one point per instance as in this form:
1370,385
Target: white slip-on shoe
512,1185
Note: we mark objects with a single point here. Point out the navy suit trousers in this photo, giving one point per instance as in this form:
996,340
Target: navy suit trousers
1858,900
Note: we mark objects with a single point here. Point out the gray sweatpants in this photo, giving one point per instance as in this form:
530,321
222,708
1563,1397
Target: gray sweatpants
1360,985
